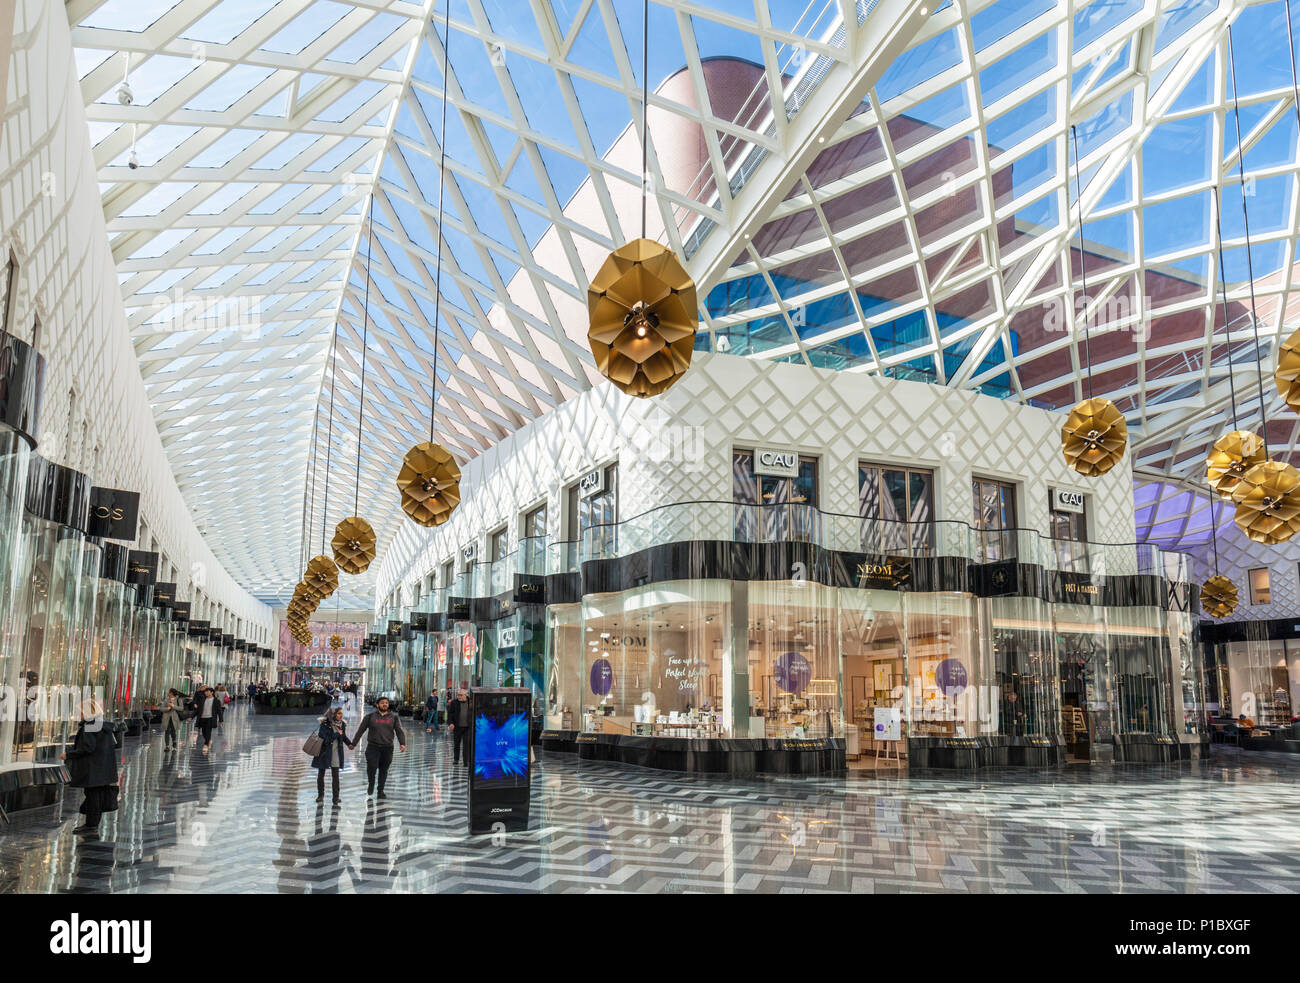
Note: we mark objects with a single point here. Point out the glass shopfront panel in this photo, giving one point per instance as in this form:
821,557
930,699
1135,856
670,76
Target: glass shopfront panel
873,640
948,673
110,645
1259,683
656,659
1021,643
60,615
563,696
15,458
794,660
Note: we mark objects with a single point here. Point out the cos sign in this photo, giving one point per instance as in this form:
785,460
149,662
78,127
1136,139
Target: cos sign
776,463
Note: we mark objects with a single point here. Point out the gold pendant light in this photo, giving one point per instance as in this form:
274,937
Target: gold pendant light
322,576
1268,502
336,642
1287,373
430,484
1095,434
1094,437
353,544
1218,597
643,318
1232,456
643,314
429,478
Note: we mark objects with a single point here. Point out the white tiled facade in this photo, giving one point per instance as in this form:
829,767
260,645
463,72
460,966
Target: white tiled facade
677,447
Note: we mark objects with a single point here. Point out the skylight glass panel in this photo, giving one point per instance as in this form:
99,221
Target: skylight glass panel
127,15
307,27
228,88
1000,19
1101,16
221,197
1178,154
88,59
918,65
350,102
227,20
225,148
364,41
157,199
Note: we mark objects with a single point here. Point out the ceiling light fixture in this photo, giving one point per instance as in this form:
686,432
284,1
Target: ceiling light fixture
1268,495
1095,434
643,313
429,479
354,542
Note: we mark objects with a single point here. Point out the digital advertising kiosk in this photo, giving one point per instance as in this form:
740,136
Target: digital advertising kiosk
499,772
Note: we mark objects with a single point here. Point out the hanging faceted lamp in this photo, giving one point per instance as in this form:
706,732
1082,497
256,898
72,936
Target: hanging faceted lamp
1287,373
1268,495
336,642
1268,502
1094,437
353,544
1095,434
643,313
429,478
1232,456
643,318
1218,597
322,576
430,484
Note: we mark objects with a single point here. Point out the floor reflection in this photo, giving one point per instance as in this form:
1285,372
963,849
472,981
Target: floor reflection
244,819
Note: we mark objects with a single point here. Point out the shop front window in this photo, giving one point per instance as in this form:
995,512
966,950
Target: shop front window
794,661
533,546
1019,630
896,506
1069,534
772,509
1259,684
950,679
1261,591
656,661
995,520
593,514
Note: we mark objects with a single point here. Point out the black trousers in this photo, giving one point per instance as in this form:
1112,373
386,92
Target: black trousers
169,736
378,759
320,781
458,739
205,725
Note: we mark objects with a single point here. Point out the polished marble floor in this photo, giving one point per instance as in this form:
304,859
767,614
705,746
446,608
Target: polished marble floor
245,819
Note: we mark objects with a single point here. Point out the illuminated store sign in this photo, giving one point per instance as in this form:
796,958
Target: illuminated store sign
776,463
1067,501
591,483
113,513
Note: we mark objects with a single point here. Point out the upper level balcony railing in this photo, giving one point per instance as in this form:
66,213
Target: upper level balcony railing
793,522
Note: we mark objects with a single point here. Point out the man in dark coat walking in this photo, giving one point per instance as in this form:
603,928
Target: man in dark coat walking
383,726
92,764
458,720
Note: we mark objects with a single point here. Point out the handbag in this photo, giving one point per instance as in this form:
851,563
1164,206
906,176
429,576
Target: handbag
313,745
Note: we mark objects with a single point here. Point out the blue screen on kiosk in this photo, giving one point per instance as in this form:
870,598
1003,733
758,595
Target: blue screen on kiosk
501,749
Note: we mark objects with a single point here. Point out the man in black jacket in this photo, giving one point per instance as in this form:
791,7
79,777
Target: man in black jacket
92,766
383,725
458,720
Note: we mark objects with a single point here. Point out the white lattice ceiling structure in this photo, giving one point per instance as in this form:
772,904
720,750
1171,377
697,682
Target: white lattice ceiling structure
870,185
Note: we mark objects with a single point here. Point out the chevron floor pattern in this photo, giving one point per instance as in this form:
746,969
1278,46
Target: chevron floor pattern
245,819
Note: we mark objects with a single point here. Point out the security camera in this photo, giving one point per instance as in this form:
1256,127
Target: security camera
133,161
124,94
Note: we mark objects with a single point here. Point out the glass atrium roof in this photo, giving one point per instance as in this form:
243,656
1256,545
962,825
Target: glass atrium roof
864,185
